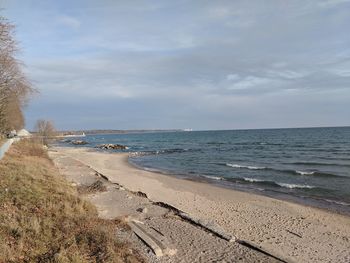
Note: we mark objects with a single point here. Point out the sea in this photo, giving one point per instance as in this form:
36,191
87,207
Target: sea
305,165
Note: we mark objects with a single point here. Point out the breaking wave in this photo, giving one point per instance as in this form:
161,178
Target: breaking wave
246,166
165,151
277,184
289,171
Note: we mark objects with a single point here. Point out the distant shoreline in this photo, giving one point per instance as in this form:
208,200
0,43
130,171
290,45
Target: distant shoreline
111,131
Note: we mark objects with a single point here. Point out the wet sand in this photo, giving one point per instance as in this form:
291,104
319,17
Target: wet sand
292,231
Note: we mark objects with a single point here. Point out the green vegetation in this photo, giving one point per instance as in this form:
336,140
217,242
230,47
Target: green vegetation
42,219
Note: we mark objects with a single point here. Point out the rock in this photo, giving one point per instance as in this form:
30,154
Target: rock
110,146
142,210
79,142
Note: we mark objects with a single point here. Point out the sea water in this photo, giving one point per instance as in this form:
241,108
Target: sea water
311,165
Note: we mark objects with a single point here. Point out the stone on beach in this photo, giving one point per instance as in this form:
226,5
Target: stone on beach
143,210
110,146
79,142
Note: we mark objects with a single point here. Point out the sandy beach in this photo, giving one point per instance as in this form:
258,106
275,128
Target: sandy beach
293,232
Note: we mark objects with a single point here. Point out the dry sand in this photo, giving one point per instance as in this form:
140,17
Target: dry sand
184,241
294,232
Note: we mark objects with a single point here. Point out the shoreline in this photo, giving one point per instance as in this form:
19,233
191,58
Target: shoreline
331,206
317,234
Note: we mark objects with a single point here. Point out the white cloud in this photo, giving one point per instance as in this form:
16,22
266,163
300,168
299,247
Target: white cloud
249,82
287,74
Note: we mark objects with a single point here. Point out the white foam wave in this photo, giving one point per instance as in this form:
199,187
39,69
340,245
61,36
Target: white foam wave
252,180
245,166
337,202
304,172
213,177
291,186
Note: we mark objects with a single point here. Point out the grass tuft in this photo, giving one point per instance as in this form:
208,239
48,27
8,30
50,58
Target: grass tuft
97,186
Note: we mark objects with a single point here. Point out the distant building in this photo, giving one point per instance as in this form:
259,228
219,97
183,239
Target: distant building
23,133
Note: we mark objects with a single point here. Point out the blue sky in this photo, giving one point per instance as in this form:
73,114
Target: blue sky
185,64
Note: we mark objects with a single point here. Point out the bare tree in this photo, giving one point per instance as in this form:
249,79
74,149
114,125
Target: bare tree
45,130
14,86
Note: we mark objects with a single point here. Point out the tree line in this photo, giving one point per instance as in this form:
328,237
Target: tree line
15,87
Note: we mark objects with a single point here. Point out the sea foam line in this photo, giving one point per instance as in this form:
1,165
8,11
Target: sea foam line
245,166
305,172
253,180
291,186
285,185
213,177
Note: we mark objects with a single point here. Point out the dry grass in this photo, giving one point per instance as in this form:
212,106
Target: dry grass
97,186
43,220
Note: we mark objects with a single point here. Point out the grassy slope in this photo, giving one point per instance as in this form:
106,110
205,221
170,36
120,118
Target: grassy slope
43,220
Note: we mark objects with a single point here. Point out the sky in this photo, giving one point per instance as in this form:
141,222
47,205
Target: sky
115,64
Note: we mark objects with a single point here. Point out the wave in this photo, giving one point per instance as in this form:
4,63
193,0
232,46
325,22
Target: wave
291,186
213,177
305,172
253,180
318,164
277,184
164,151
313,173
337,202
246,166
175,150
289,171
259,143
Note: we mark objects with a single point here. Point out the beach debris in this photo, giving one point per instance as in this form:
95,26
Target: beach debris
167,206
79,142
97,186
158,243
293,233
138,230
160,233
101,175
209,226
110,146
260,249
143,210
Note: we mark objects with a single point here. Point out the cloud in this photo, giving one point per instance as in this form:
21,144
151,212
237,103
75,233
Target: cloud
249,82
200,64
